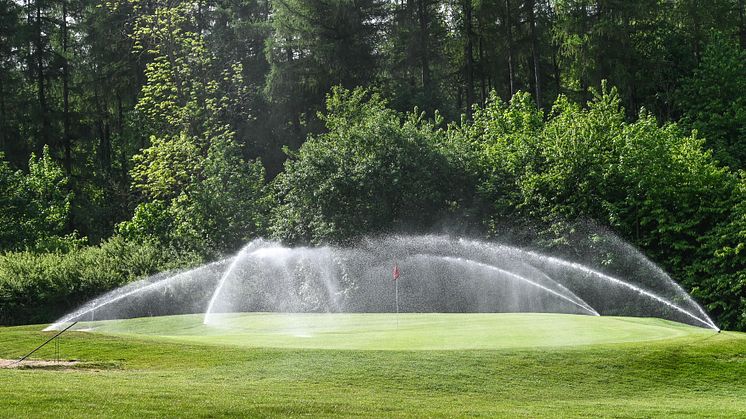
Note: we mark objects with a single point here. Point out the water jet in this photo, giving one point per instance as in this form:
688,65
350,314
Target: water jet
440,274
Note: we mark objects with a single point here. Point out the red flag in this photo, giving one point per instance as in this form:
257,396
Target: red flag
396,272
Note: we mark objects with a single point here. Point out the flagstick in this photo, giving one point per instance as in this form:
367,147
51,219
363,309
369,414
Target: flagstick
396,287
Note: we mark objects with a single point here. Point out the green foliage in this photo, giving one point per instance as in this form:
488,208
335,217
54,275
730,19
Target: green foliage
718,276
314,45
499,144
150,220
13,202
372,172
211,204
167,167
198,191
153,115
228,207
652,184
35,206
713,100
39,287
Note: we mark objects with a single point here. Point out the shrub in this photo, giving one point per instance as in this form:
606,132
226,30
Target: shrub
40,287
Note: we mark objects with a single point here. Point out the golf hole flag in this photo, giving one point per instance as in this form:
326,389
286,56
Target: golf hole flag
396,272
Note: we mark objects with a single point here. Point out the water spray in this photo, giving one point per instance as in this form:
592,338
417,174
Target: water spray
268,276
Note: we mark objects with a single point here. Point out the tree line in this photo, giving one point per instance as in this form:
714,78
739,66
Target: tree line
191,126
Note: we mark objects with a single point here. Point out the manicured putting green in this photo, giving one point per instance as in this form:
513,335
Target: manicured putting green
408,331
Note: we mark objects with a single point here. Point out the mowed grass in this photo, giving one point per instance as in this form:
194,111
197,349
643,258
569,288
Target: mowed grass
406,331
530,366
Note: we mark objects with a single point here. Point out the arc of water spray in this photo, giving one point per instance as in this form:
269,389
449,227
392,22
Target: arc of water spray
501,247
707,322
578,301
563,288
95,306
638,290
220,286
518,277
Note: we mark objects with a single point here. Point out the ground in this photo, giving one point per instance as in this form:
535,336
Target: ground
512,365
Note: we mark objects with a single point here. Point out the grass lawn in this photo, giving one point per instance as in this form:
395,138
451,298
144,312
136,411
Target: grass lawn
512,365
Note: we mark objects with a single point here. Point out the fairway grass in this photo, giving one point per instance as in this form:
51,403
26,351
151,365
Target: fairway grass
527,365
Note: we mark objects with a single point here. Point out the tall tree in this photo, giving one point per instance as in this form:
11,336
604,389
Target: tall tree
508,23
469,55
713,100
317,44
40,45
67,141
530,6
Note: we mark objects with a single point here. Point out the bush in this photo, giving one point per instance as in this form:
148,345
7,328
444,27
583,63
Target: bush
374,171
656,186
35,207
38,288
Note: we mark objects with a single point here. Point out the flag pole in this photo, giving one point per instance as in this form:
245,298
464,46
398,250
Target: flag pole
395,273
396,287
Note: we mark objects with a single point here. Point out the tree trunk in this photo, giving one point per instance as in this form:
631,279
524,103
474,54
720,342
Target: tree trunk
40,77
557,77
120,137
482,72
530,4
509,34
29,42
2,111
422,14
469,55
696,31
459,96
104,142
66,94
742,23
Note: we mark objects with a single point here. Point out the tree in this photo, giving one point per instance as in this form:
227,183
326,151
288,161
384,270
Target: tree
718,276
371,172
414,70
654,185
198,191
317,44
713,100
35,207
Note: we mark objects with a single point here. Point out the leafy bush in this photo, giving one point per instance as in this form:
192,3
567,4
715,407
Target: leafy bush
718,275
219,203
372,172
35,206
39,287
654,185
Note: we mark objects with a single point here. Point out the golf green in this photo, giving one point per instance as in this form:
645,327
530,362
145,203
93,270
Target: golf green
406,331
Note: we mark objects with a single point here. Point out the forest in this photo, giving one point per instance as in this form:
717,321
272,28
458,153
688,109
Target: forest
138,136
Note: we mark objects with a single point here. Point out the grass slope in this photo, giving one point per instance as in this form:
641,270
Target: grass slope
680,372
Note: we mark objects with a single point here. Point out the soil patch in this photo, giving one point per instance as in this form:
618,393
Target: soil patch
36,363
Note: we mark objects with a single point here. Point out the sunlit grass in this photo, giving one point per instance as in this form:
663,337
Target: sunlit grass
670,370
406,331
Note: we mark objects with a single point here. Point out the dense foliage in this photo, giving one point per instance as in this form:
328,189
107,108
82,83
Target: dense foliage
38,287
654,185
35,206
196,125
373,171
